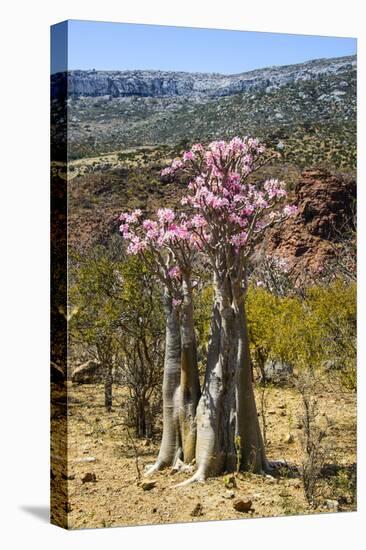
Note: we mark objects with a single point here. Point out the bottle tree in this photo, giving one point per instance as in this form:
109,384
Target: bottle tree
168,247
226,214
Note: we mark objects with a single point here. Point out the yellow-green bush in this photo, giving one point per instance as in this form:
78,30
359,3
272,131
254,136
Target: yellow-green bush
313,331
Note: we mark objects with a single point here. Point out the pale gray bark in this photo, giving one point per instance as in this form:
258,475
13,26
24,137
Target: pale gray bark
215,413
248,432
228,430
189,381
171,444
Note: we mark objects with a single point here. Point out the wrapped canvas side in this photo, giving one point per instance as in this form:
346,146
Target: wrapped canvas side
59,332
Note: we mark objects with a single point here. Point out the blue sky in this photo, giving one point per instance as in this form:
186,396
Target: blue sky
121,46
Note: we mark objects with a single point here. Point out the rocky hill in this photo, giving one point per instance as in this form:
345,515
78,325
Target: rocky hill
193,85
308,111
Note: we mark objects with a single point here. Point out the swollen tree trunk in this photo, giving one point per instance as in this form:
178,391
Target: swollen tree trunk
189,379
249,441
215,450
108,384
171,443
228,432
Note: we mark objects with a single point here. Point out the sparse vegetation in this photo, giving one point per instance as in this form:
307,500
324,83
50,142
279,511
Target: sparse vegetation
118,317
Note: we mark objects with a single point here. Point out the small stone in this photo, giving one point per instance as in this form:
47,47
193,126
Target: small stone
242,505
197,510
146,443
148,485
289,438
332,505
229,494
89,478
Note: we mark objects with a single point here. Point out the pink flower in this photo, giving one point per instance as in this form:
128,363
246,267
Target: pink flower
198,221
290,210
188,155
237,145
176,302
149,224
152,229
235,218
166,171
131,218
248,210
176,164
259,226
239,240
136,245
166,215
124,228
275,188
217,202
259,200
174,272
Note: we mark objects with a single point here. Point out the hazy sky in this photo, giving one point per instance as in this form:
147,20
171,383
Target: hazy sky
121,46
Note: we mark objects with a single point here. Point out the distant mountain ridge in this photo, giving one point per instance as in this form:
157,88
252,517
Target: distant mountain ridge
307,111
141,83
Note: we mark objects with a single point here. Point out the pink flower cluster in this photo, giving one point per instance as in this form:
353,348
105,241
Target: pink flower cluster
166,215
224,206
239,240
244,151
167,231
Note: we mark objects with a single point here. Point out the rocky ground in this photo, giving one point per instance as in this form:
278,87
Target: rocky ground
105,460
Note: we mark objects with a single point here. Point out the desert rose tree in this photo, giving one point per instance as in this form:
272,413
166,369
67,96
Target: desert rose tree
168,247
226,216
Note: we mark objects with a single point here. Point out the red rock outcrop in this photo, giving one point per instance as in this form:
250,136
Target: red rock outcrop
325,204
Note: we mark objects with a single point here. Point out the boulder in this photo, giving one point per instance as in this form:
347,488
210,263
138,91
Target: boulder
305,241
148,485
89,477
90,372
277,372
242,505
332,505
